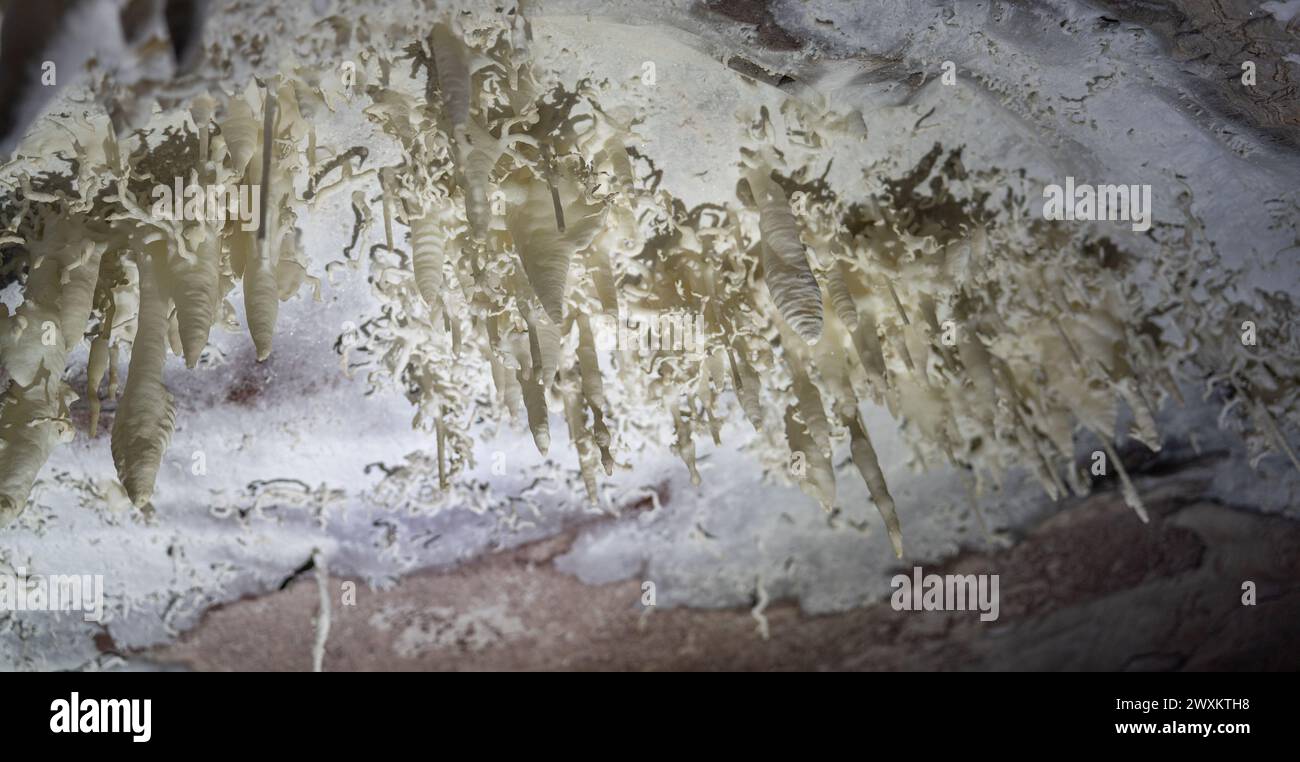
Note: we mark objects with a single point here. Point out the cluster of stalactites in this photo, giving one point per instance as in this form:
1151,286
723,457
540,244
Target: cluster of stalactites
113,265
522,209
514,197
987,336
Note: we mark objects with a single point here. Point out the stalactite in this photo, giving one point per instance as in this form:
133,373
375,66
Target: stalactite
146,414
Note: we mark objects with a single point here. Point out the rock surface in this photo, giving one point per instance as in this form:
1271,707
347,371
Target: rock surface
1089,589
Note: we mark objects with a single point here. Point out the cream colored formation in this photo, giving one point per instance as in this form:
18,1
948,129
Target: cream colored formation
105,268
989,335
810,302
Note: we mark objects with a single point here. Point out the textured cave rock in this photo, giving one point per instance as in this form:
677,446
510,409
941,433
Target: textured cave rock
1087,589
1211,40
